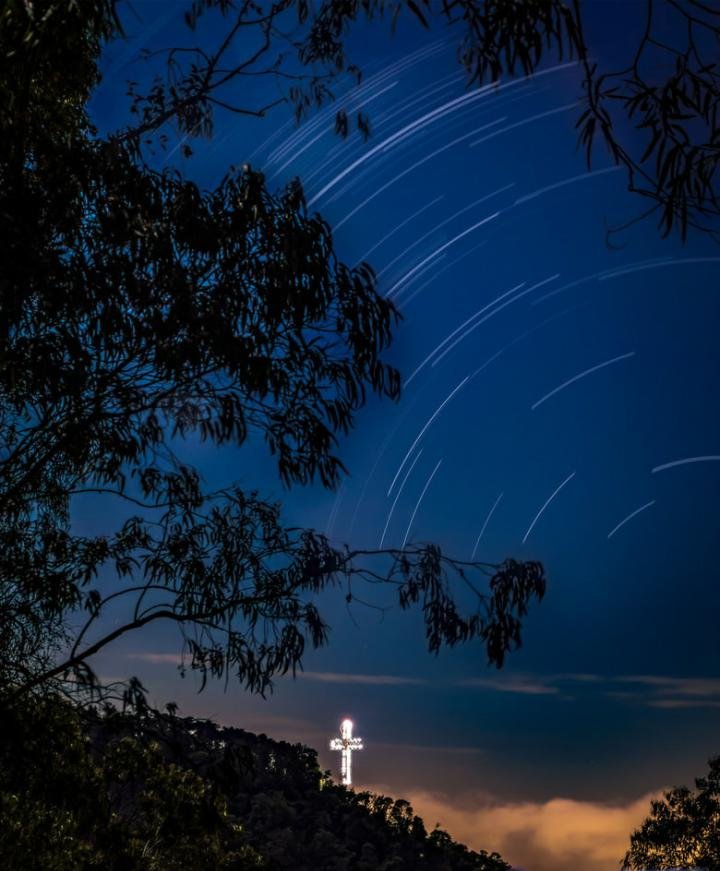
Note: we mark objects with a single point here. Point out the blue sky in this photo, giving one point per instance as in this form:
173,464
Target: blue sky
591,373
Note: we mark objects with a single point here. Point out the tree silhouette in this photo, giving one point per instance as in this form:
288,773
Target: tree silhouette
683,829
137,310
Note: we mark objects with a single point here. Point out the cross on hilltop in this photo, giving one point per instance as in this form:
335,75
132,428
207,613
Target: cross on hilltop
346,744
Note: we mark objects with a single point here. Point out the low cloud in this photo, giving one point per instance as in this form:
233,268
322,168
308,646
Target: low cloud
556,835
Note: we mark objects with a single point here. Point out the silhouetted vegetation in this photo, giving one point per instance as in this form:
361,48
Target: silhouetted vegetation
81,789
683,829
136,311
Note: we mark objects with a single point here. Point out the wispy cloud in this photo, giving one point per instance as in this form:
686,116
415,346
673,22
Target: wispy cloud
425,749
579,677
680,686
672,693
661,692
369,679
531,684
317,676
526,685
683,703
156,658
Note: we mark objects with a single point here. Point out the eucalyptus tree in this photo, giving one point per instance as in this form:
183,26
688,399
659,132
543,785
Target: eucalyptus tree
137,310
682,829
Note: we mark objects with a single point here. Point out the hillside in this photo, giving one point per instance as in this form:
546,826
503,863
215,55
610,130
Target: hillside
154,792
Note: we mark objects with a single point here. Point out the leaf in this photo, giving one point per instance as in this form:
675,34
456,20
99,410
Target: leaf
418,13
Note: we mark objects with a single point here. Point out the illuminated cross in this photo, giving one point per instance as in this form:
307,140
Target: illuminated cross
346,744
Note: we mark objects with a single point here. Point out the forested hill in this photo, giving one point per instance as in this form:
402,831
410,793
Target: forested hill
158,792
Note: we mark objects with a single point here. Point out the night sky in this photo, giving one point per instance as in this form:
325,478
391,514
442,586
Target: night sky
559,405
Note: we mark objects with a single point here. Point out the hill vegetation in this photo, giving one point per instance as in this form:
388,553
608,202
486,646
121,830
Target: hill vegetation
150,791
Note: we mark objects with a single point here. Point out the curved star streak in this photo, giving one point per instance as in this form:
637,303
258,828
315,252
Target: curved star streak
561,184
686,461
658,264
417,504
424,429
545,505
459,329
296,153
397,496
487,520
439,250
395,138
445,268
630,517
492,314
426,159
579,376
442,224
399,226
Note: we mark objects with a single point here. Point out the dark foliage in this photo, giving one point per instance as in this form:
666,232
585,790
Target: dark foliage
84,790
670,93
683,829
